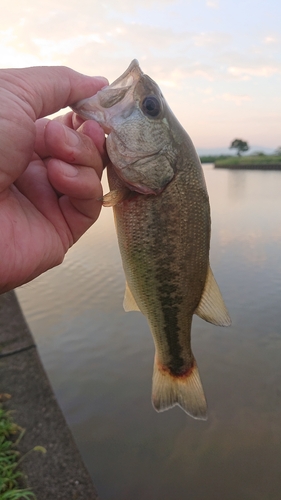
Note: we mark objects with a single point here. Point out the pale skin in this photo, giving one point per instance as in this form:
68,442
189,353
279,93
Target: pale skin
50,170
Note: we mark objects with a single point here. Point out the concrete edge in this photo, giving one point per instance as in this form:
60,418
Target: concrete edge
60,473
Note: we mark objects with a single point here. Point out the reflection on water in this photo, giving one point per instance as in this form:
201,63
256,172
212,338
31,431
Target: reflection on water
99,359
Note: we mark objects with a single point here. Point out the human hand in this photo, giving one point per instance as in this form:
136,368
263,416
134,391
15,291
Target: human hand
50,170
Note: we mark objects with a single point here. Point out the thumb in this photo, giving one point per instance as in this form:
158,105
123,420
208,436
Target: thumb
27,94
51,88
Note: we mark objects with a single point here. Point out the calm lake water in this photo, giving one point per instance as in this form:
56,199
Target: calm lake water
99,359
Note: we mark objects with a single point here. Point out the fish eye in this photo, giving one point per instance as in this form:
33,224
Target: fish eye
151,106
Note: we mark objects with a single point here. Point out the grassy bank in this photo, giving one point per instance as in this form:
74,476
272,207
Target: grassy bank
10,477
263,162
213,159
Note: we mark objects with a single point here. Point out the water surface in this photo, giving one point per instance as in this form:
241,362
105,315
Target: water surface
99,359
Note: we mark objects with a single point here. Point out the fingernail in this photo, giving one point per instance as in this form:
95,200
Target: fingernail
71,138
69,170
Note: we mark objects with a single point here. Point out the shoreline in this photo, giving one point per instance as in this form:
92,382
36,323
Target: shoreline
253,166
59,473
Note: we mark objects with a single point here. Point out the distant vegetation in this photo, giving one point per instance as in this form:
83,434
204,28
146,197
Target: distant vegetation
214,158
240,145
250,161
258,159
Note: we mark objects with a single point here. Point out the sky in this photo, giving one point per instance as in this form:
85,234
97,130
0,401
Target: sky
218,62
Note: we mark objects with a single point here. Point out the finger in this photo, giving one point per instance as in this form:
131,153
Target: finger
79,204
29,94
74,147
74,181
76,121
82,194
49,89
93,130
65,119
34,185
73,121
40,147
78,222
68,120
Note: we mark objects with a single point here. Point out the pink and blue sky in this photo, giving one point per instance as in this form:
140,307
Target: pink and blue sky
218,62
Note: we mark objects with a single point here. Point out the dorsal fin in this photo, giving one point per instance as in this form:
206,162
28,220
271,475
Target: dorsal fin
212,307
129,302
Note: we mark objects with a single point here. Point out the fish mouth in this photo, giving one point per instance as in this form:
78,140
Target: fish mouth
129,77
99,106
114,104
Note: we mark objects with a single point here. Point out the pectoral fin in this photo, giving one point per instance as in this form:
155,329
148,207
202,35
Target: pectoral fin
129,302
116,196
212,307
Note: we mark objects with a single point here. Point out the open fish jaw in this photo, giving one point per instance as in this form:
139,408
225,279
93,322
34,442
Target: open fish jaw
96,107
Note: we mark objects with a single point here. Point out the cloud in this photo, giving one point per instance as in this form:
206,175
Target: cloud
182,44
207,39
270,39
250,64
212,4
66,46
99,38
246,73
237,99
131,6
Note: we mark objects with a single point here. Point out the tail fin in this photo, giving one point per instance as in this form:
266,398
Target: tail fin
185,391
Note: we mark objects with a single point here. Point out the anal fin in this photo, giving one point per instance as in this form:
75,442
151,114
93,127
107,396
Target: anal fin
129,302
212,307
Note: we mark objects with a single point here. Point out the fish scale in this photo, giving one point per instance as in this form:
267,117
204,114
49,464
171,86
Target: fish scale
164,258
162,217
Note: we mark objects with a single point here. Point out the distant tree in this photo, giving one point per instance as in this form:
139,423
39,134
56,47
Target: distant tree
278,151
240,145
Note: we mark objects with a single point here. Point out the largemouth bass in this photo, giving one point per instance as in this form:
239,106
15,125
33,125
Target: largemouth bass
162,217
